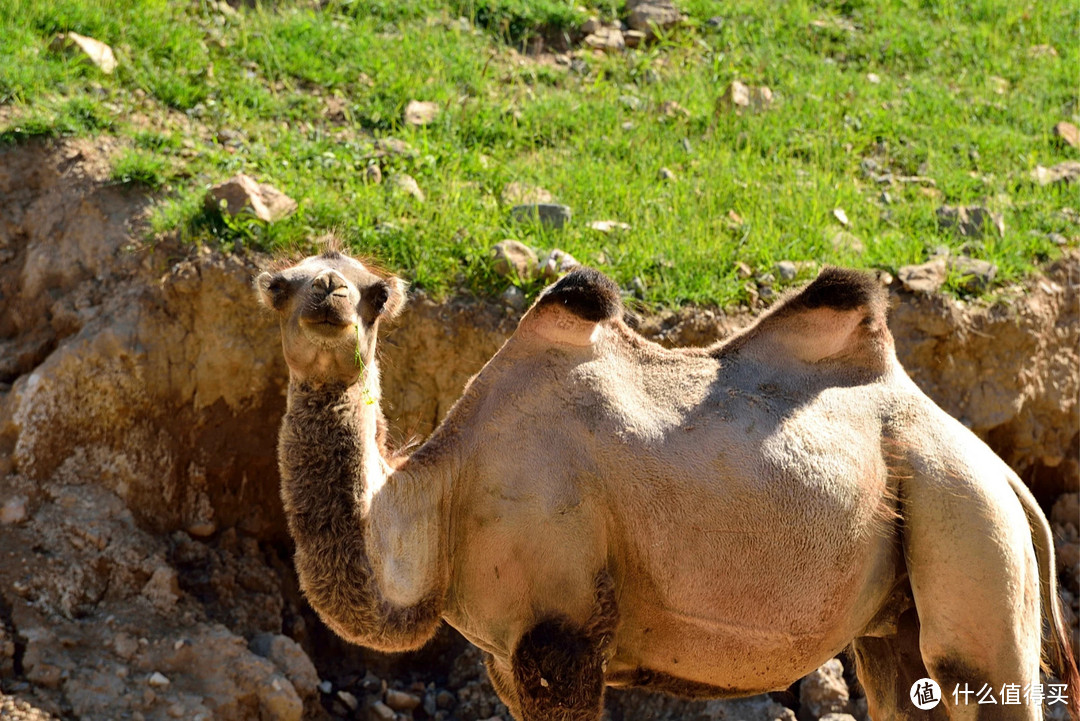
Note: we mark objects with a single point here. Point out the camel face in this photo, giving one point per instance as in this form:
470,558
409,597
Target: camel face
329,306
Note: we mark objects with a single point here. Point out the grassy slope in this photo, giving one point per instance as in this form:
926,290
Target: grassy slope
202,94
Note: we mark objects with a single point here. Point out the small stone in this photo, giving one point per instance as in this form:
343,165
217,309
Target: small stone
634,38
761,97
513,297
638,287
650,15
1067,172
631,101
885,197
924,278
1042,51
515,193
556,263
975,275
348,699
125,646
999,84
420,112
163,589
873,78
393,146
549,214
243,194
672,109
736,96
407,184
325,687
716,21
13,511
1057,238
840,216
158,680
401,701
742,270
590,26
445,700
1067,133
735,217
608,226
786,270
609,39
373,174
514,259
970,221
687,146
378,711
667,175
824,691
95,51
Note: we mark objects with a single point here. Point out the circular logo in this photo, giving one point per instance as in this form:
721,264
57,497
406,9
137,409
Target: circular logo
925,694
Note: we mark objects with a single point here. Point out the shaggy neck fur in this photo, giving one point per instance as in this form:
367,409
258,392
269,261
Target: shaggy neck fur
367,540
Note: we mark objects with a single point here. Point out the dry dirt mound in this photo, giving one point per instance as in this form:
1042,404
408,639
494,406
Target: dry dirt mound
143,563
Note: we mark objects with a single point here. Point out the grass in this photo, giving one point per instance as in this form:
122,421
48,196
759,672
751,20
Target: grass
296,95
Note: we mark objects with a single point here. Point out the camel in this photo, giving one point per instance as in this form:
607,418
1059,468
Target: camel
597,510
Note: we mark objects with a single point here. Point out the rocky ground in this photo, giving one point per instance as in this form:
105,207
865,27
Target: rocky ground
144,568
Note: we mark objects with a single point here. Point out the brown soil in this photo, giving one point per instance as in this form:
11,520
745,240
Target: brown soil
140,525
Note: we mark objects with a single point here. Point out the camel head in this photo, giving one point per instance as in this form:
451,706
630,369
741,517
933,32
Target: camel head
329,307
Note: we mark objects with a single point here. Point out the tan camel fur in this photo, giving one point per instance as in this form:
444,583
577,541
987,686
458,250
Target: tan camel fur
600,511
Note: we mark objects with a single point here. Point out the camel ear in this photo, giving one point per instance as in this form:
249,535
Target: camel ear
569,311
273,290
388,297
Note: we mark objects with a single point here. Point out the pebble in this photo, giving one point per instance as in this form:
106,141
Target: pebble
406,183
158,680
373,174
13,511
552,215
667,175
786,270
349,700
326,687
401,701
841,216
970,221
420,112
381,712
445,700
513,297
514,259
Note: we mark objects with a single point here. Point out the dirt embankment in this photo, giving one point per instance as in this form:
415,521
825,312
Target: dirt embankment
144,569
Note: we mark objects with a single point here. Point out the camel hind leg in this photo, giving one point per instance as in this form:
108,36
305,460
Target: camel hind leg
974,577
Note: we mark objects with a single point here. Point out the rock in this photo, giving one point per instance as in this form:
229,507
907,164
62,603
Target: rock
672,109
125,646
401,701
824,691
243,194
349,700
556,263
975,275
667,175
634,38
786,270
445,700
378,711
924,278
1067,133
590,26
739,96
373,174
606,38
742,270
13,511
551,215
632,101
1066,509
325,687
1042,51
873,78
420,112
513,297
158,680
95,51
970,221
761,97
407,184
393,146
1067,172
840,216
163,589
514,259
515,193
608,226
291,660
716,22
650,15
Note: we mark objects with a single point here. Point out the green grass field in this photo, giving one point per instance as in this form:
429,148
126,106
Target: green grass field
295,95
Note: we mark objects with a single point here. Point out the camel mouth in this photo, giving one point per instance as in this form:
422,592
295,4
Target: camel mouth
328,328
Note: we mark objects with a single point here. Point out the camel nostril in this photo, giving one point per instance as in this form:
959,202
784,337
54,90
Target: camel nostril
330,281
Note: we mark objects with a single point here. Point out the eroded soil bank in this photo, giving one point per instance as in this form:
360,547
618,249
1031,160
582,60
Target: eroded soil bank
144,568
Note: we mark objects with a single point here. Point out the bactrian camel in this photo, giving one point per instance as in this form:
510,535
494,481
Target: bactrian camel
597,510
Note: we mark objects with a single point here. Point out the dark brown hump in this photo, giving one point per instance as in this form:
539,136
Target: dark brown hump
585,292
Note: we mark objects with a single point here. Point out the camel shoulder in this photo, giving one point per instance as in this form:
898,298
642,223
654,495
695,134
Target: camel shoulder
840,317
569,310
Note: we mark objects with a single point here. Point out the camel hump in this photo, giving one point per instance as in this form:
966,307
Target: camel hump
839,317
585,292
569,311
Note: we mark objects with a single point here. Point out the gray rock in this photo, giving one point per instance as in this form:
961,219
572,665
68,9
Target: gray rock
970,221
291,660
824,691
668,175
1067,172
549,214
975,275
407,184
787,270
650,15
924,278
514,259
513,297
1057,238
556,263
243,194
